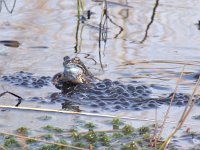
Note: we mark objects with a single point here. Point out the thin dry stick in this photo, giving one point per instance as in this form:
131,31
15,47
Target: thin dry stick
190,103
2,148
156,128
69,134
28,138
71,112
82,6
13,94
22,143
172,99
183,118
84,114
91,147
161,61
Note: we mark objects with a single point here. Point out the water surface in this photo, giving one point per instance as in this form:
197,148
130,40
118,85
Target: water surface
147,41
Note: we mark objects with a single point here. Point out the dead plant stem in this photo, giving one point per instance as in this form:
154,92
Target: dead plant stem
172,99
184,116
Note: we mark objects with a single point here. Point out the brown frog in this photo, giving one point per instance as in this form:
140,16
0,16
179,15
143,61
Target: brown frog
75,72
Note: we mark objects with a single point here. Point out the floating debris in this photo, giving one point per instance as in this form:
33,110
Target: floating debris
11,43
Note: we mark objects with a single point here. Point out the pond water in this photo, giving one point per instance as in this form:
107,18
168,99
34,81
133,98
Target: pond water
147,41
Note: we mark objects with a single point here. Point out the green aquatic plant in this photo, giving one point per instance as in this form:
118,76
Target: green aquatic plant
48,147
61,141
29,141
47,136
143,130
10,142
22,130
103,139
81,144
74,129
127,130
75,136
146,136
91,137
116,122
90,125
117,135
53,129
131,146
55,147
139,141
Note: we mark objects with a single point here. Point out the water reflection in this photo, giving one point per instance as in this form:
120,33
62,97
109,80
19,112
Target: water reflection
103,29
3,2
151,21
49,30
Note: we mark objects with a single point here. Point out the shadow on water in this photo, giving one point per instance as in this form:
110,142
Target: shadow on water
8,10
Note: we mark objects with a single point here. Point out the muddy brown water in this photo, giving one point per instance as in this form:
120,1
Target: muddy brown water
48,30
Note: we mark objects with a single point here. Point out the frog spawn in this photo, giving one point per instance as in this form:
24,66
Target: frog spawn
26,79
106,94
113,96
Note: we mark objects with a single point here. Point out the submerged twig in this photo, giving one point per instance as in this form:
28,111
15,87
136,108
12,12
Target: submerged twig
19,97
84,114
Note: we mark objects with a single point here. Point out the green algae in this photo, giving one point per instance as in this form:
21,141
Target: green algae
22,130
53,129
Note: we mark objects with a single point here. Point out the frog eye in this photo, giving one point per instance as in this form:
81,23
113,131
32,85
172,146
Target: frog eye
58,76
